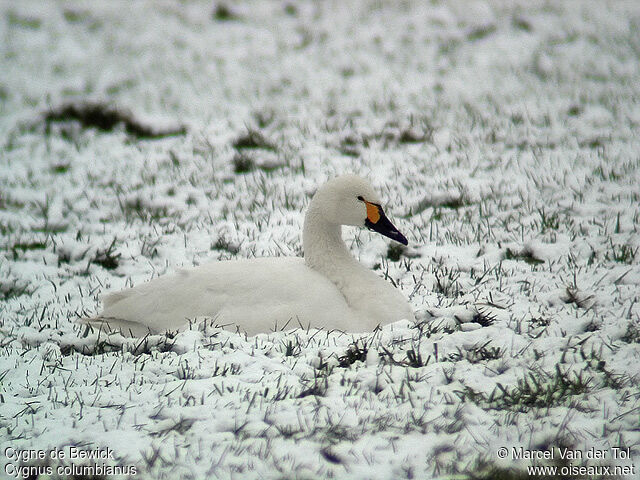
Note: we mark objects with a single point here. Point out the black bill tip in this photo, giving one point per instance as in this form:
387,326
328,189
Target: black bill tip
384,227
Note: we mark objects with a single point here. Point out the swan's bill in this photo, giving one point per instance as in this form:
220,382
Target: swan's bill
378,222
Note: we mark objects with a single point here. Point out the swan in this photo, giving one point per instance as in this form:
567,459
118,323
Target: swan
326,289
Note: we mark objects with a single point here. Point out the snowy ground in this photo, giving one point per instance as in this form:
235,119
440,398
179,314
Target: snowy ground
504,139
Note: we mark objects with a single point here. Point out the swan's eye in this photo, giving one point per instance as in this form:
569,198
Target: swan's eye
360,198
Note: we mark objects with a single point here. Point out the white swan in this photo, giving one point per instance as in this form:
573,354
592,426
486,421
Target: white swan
327,289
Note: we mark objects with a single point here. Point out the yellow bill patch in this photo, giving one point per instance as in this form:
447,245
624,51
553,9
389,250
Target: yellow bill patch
373,212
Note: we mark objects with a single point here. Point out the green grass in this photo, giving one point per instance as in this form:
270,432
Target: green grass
632,334
253,139
13,288
624,253
525,255
105,117
108,258
535,390
19,248
224,13
23,21
477,354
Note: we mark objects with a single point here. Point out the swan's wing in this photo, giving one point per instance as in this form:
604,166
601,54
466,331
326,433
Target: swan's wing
253,294
111,299
233,287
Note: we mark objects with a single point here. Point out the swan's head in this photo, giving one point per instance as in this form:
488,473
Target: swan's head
351,200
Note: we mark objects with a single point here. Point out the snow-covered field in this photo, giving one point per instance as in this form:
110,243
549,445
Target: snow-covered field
137,137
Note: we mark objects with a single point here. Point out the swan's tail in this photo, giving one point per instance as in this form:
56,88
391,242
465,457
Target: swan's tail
111,325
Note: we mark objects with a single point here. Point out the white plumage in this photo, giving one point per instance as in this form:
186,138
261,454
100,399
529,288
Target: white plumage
327,289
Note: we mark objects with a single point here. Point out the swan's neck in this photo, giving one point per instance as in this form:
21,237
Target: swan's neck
324,249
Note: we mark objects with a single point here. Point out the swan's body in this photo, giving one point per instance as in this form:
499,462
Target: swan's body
327,289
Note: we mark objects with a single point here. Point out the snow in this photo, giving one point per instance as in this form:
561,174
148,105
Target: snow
503,139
